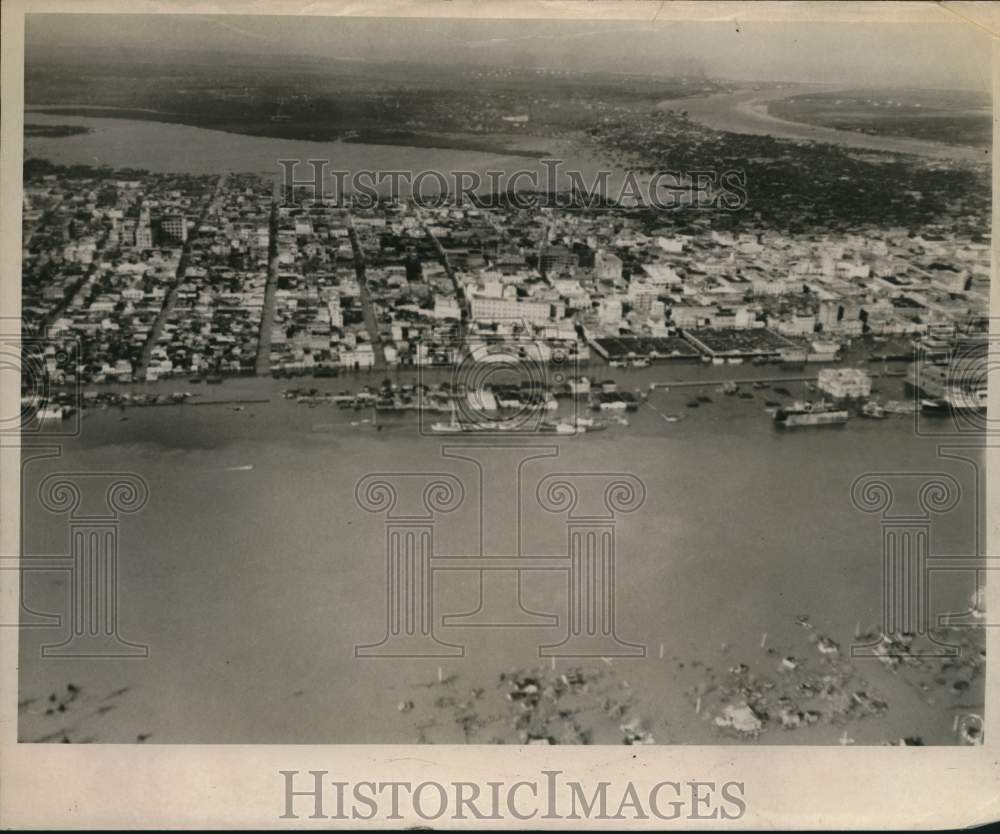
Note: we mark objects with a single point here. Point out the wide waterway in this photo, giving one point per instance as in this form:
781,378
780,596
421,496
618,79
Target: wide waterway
746,112
252,573
174,148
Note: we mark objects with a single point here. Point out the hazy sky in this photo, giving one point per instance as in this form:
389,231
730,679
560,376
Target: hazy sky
949,55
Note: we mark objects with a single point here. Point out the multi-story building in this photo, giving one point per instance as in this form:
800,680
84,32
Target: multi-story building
507,309
171,229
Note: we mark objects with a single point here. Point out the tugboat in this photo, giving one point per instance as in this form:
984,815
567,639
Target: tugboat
820,413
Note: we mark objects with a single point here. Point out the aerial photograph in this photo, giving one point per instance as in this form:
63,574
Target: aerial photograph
469,381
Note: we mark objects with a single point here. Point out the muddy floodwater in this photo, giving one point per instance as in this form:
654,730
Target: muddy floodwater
252,573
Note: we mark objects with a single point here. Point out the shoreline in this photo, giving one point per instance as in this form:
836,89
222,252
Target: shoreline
384,136
293,467
746,112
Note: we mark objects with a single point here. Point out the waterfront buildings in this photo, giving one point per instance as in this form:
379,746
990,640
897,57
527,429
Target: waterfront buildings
156,276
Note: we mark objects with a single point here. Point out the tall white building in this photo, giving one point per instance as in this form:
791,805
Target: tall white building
506,309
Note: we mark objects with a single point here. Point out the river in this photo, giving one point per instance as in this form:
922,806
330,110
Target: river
746,112
174,148
252,573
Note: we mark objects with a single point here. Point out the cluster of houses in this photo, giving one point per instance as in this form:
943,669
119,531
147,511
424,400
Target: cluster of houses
211,324
160,275
101,253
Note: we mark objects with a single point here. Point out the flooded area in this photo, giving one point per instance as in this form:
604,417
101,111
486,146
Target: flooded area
252,610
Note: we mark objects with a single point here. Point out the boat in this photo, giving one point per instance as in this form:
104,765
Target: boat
213,380
873,410
938,408
195,380
53,412
955,401
569,428
819,413
453,426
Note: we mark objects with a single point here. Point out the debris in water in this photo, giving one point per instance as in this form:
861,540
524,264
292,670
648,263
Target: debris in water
740,717
827,646
635,733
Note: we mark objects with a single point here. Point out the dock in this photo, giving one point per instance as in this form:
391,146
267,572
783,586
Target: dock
750,380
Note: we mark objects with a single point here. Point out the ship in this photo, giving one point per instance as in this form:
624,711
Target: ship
954,400
819,413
